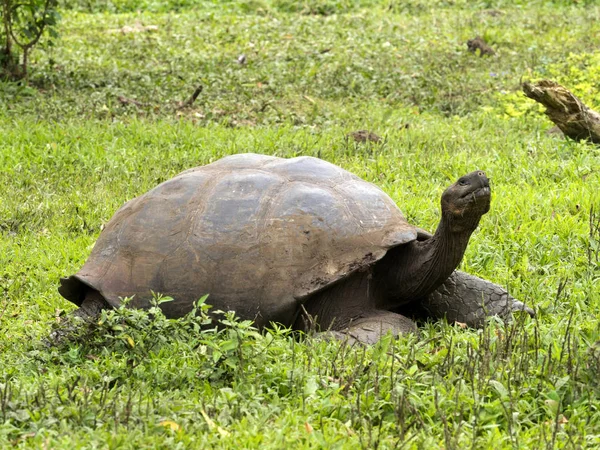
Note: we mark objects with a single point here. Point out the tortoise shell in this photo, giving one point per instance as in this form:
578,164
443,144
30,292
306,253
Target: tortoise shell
260,234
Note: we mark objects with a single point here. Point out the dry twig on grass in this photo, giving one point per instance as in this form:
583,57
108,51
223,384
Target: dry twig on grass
190,100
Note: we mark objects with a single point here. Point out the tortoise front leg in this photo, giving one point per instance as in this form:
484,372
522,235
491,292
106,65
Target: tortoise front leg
469,299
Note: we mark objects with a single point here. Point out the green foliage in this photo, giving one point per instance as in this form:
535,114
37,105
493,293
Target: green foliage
137,379
221,345
309,7
175,379
304,69
320,7
72,152
23,25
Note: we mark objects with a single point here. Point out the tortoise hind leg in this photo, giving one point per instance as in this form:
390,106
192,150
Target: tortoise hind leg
92,305
469,299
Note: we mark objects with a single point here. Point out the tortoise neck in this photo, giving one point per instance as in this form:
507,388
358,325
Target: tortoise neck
412,271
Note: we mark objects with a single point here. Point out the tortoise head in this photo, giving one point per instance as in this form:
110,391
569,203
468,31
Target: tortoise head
465,201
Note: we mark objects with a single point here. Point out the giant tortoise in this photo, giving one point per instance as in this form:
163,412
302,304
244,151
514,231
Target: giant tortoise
290,241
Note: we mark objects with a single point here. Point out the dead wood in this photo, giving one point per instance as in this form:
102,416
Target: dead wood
477,43
364,136
570,114
190,100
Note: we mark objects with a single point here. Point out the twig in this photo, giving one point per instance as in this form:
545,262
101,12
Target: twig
190,100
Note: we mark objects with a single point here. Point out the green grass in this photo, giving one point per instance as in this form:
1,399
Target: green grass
301,69
71,154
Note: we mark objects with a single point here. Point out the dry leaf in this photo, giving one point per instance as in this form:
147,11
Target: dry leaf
212,425
170,424
308,427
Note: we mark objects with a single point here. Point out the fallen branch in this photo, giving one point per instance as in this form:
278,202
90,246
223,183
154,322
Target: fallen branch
190,100
570,114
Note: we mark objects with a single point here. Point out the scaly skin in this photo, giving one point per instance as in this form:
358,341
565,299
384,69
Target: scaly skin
468,299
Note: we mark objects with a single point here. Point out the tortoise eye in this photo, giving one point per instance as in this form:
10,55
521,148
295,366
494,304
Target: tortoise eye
462,181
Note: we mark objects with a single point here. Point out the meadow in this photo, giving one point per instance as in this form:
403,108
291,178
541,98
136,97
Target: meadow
100,121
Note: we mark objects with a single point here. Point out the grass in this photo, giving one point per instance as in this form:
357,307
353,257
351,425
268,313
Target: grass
71,153
300,68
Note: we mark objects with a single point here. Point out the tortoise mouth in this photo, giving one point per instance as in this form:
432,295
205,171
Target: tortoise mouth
477,193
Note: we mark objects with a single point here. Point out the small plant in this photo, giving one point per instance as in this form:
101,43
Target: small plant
222,341
23,25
